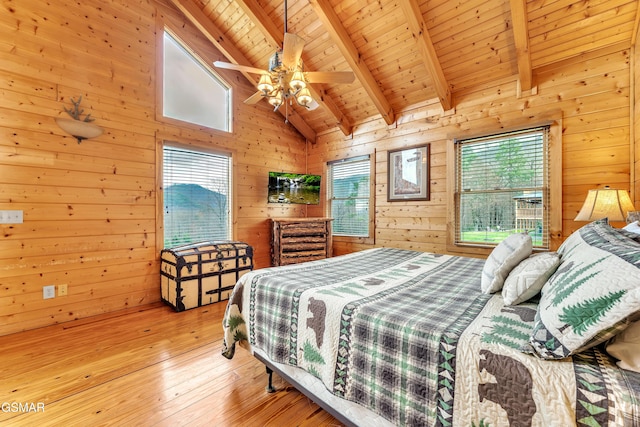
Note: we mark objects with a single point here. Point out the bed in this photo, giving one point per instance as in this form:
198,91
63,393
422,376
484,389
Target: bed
389,336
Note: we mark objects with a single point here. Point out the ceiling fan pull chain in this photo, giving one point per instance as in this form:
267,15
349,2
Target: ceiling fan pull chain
286,113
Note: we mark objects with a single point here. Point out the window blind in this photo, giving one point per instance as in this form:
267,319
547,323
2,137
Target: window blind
502,187
197,197
350,196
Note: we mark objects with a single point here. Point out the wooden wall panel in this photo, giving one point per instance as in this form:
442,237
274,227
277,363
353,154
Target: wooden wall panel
591,94
90,209
635,114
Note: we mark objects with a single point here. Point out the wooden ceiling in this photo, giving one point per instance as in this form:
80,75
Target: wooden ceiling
404,52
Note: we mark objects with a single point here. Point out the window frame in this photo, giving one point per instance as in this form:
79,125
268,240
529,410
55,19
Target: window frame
493,143
554,121
370,238
195,146
203,58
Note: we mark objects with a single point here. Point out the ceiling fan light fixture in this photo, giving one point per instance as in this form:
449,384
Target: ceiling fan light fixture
275,99
286,80
265,84
297,81
304,97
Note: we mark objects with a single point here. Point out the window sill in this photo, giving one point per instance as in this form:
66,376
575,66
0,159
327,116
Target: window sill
354,239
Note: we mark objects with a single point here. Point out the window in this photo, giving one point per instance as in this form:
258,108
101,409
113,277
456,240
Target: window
502,187
191,92
197,196
349,196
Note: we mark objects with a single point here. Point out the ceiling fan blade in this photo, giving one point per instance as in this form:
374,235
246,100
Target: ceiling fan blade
330,76
292,50
230,66
254,99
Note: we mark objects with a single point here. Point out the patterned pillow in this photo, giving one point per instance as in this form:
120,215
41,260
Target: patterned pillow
593,294
502,259
528,277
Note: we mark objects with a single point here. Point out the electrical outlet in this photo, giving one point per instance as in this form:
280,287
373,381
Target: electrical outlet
48,292
62,290
10,217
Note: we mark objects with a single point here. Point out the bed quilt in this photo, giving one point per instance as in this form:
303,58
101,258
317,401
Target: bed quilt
410,336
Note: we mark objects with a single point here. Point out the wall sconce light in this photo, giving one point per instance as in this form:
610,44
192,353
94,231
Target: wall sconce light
605,203
79,128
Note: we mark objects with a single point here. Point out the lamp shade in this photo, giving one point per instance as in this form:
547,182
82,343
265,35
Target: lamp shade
265,84
297,81
304,97
78,128
275,99
605,203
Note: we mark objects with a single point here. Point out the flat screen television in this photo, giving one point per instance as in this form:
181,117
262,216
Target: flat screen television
295,188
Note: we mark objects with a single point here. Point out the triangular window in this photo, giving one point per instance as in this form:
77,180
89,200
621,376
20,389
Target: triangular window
191,91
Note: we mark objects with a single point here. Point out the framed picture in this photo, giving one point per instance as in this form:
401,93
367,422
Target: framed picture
408,174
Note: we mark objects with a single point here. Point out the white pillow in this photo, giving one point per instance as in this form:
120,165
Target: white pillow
528,277
626,347
502,259
633,227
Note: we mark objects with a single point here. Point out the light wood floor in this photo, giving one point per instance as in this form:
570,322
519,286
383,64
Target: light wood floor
145,367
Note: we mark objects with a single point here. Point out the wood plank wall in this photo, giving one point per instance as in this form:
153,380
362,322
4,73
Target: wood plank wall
635,113
591,94
90,208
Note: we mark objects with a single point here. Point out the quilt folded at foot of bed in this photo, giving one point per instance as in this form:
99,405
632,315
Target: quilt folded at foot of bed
410,336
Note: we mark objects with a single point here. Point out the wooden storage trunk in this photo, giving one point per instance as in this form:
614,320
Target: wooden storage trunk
202,273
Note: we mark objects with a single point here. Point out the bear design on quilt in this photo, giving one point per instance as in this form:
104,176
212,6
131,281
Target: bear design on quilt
513,389
526,314
318,310
371,281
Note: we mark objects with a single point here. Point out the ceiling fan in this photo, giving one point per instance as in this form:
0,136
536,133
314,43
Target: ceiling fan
286,80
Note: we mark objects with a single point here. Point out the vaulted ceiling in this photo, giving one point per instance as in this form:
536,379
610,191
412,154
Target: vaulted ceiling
404,52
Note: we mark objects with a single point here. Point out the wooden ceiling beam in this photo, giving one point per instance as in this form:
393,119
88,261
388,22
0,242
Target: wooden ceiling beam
520,28
430,59
197,17
275,37
341,38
